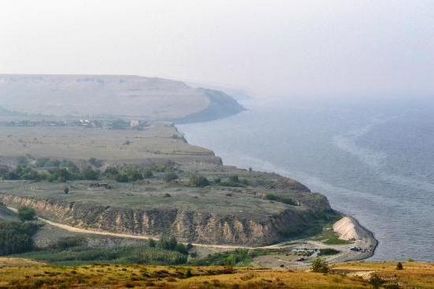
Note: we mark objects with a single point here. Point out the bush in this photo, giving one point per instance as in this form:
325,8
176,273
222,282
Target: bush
26,214
134,174
327,252
90,174
231,258
121,178
122,255
96,163
376,281
281,199
69,242
399,266
169,177
148,174
16,237
320,266
168,243
152,243
198,181
181,248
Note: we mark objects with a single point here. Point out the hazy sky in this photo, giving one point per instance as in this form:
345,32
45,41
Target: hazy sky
270,47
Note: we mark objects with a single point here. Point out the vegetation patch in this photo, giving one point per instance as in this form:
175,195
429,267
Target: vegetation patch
16,237
282,199
239,257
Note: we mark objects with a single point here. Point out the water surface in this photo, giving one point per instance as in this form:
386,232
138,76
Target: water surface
373,160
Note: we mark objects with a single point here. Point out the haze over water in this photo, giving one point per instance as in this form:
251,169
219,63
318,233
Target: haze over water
373,160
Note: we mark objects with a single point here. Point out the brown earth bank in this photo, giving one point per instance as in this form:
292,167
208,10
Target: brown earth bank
186,225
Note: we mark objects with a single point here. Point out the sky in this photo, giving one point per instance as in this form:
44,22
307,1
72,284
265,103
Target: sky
269,48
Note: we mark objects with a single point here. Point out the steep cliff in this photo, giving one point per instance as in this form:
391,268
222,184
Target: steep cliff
186,225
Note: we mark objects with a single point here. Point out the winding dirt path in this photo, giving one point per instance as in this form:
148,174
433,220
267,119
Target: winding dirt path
130,236
367,241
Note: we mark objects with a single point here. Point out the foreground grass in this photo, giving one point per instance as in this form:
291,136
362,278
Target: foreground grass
18,273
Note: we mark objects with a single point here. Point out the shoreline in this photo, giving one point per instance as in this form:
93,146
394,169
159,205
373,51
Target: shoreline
366,242
369,242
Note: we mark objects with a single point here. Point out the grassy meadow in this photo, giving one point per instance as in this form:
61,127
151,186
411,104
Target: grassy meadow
21,273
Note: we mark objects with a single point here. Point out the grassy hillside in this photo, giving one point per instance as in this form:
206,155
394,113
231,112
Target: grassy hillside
21,273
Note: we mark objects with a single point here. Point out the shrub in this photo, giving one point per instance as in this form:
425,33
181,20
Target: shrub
134,176
69,242
234,179
168,243
376,281
320,266
148,174
399,266
231,258
111,172
181,248
327,252
281,199
122,178
96,163
152,243
26,214
188,273
198,181
16,237
90,174
169,177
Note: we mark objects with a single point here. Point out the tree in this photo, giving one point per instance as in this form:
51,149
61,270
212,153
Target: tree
26,214
320,266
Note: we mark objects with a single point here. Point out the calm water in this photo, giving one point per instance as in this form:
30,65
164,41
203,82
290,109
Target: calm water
373,160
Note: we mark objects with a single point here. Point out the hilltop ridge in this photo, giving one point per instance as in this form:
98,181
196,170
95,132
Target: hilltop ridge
127,96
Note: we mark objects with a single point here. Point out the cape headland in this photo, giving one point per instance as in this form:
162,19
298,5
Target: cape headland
123,170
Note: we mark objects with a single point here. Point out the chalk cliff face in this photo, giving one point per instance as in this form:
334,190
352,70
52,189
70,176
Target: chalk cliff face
191,226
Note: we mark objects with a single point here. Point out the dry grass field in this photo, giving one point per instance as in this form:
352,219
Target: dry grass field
21,273
156,141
